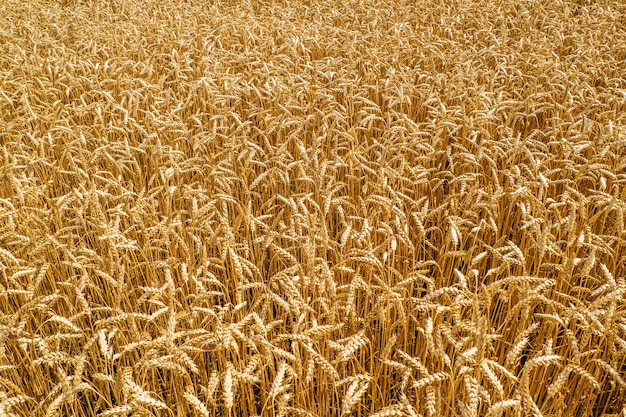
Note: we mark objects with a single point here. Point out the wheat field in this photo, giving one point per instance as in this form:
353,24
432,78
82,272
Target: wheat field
313,208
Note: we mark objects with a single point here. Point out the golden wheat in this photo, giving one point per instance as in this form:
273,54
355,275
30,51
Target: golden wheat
272,208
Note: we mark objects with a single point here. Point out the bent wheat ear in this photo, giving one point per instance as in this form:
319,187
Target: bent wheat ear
197,404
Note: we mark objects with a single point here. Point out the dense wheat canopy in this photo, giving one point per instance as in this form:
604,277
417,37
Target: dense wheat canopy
313,208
